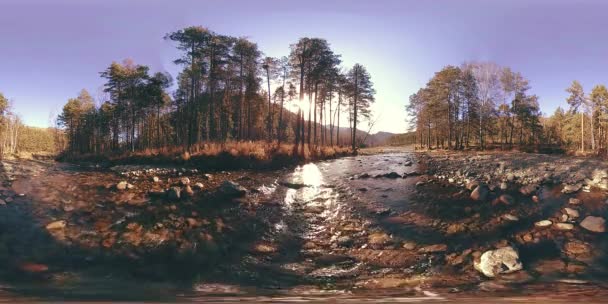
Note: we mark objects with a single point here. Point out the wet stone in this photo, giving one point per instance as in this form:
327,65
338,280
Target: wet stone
594,224
574,201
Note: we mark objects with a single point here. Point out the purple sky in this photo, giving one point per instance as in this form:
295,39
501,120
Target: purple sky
49,50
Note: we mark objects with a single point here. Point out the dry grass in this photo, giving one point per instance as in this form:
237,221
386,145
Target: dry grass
223,155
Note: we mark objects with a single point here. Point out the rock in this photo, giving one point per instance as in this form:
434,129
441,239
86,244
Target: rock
122,185
56,225
510,177
528,189
174,193
472,185
2,202
543,223
528,238
33,267
594,224
378,240
156,179
564,226
455,228
480,193
578,250
207,176
409,245
504,186
184,181
571,213
569,188
232,189
199,186
499,261
510,217
574,201
408,163
345,241
188,192
506,199
364,176
264,248
392,175
437,248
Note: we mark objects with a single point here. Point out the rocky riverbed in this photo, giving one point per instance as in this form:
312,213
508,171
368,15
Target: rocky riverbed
408,225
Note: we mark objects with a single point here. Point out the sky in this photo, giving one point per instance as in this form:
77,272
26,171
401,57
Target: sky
51,49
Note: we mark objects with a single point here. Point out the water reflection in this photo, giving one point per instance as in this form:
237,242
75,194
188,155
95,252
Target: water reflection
313,195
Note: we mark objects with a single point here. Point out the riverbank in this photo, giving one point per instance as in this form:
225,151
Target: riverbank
216,156
398,224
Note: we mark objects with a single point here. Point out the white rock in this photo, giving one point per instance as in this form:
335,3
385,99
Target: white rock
499,261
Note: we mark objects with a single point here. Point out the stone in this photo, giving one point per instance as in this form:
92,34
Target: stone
578,250
504,186
156,179
437,248
56,225
184,181
232,189
188,192
500,261
199,186
345,241
510,177
122,185
594,224
472,185
543,223
564,226
574,201
409,245
174,193
378,240
510,217
571,188
207,176
506,199
528,189
480,193
392,175
571,213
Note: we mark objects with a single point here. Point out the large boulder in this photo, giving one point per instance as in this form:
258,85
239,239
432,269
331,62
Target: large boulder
499,261
232,189
594,224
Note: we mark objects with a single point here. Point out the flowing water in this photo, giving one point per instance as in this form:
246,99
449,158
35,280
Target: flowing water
329,231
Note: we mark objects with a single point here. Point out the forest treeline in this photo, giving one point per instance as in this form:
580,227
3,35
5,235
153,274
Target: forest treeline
17,138
227,90
483,105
